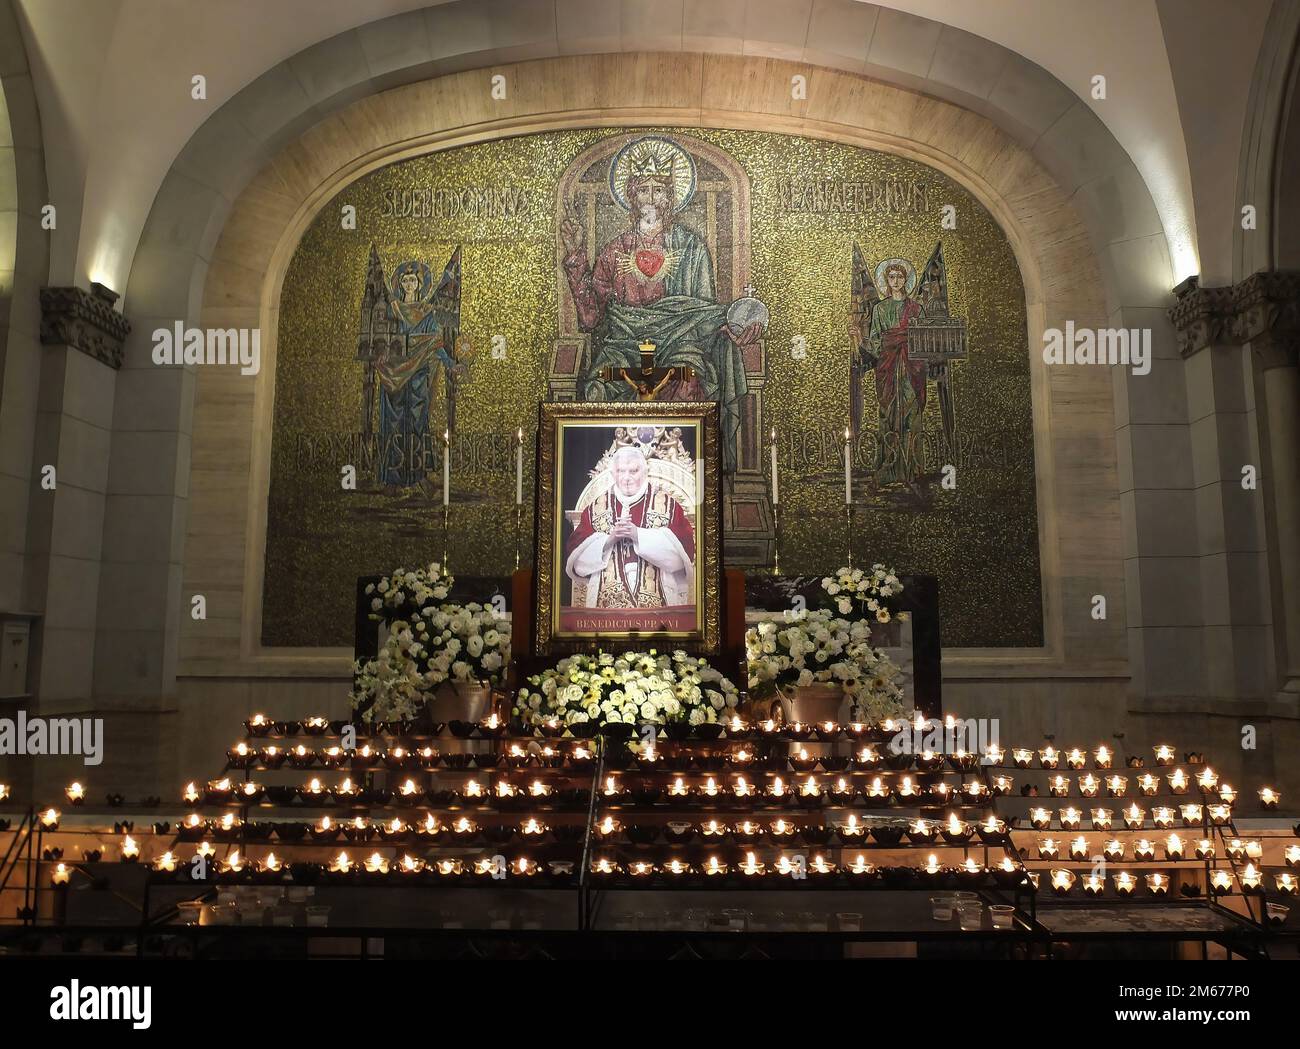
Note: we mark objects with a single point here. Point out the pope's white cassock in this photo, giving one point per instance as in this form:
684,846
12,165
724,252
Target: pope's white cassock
653,570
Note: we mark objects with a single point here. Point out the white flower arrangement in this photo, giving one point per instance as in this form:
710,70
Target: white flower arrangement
815,646
428,643
406,592
654,687
871,592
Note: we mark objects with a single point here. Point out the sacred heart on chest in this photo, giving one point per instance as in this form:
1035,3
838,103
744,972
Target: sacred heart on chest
649,261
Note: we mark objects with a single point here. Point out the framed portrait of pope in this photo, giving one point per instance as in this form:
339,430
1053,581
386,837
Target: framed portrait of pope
628,528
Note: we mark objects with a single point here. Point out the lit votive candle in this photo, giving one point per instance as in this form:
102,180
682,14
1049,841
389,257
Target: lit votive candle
206,848
1148,784
1143,849
608,827
50,819
1117,786
165,862
130,849
1174,847
1062,880
1164,754
810,788
842,790
1237,849
782,828
1089,785
1207,779
75,792
1254,851
1177,781
867,758
314,787
877,788
1227,793
1191,814
448,868
920,830
1093,885
1221,881
1102,818
1048,849
1162,816
751,868
1022,757
1079,848
641,869
777,789
1134,817
1291,854
1070,817
1251,878
1101,757
974,790
1285,882
61,874
234,863
1040,818
907,789
677,868
410,864
190,794
1268,797
1220,814
532,828
710,789
742,788
1204,849
1075,758
714,867
1003,784
1059,787
1114,849
940,792
933,868
1125,883
714,829
604,866
1157,884
851,828
993,754
1049,757
860,866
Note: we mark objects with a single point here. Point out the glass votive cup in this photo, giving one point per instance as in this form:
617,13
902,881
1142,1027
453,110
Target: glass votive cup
941,908
970,915
1001,914
848,921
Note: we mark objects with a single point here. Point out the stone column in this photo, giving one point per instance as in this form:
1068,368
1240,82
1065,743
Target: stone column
1242,521
82,337
1267,321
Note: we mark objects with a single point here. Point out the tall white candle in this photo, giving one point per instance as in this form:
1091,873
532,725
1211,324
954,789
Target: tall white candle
776,488
848,469
446,467
519,467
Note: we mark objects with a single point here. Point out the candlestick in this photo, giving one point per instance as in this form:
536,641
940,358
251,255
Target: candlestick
848,468
446,467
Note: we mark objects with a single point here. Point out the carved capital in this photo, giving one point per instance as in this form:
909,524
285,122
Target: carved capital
87,322
1202,317
1263,309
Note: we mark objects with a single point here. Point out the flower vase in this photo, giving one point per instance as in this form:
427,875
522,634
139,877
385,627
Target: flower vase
813,704
469,701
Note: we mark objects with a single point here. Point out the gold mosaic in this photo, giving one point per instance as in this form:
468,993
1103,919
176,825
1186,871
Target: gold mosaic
777,213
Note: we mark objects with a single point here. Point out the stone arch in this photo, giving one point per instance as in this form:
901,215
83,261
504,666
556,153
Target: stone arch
1059,271
1036,144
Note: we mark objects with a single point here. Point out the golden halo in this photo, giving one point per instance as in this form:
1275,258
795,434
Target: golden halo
661,157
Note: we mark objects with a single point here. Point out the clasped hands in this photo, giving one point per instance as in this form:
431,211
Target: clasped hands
623,529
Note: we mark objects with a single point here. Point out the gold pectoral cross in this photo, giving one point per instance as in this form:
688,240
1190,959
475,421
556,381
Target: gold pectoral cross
648,381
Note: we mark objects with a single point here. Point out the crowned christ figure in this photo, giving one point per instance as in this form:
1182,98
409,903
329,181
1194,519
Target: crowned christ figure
634,546
654,283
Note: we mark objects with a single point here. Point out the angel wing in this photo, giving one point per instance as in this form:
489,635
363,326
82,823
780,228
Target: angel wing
931,289
865,297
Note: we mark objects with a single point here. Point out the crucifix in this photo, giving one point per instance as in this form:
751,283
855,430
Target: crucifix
647,381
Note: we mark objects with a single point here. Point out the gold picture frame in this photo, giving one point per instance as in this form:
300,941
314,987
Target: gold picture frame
639,602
